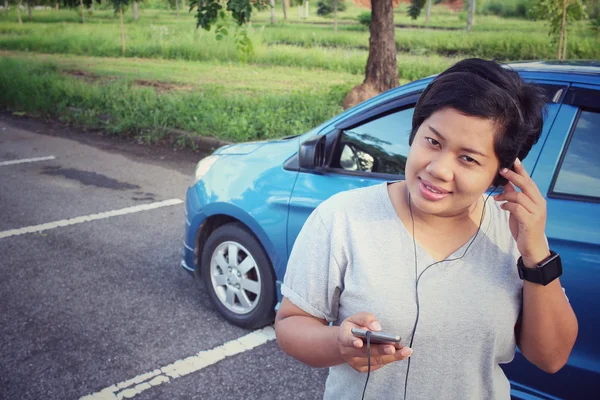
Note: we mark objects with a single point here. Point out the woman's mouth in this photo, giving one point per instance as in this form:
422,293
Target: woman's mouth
431,192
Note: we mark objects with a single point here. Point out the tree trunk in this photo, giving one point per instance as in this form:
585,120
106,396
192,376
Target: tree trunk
82,11
335,4
382,69
57,6
428,11
470,12
29,11
564,57
284,8
474,12
177,8
122,31
272,12
6,6
563,33
19,11
183,5
135,10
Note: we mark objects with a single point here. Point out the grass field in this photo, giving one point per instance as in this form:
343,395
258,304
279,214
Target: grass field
173,75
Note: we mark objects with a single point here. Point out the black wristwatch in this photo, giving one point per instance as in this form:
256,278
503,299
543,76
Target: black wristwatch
543,273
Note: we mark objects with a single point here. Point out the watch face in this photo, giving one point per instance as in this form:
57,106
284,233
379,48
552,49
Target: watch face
545,272
551,269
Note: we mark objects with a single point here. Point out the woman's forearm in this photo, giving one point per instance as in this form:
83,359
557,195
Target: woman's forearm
309,341
549,326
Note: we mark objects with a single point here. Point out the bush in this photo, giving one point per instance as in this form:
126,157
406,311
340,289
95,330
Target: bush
509,9
325,7
365,19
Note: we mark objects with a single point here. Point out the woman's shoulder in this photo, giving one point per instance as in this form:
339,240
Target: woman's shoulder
359,201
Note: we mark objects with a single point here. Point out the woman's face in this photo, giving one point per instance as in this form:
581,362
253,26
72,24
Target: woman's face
451,162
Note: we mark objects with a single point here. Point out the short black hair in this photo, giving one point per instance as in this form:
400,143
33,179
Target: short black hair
482,88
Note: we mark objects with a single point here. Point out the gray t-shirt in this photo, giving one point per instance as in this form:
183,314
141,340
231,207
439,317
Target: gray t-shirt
355,254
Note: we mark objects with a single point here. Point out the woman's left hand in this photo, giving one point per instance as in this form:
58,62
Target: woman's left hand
527,214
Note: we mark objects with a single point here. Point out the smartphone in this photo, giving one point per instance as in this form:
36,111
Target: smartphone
376,337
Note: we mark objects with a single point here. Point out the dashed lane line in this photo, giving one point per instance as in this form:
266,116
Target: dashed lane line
26,160
132,387
88,218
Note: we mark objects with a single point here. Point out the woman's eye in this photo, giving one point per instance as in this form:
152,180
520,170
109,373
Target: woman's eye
469,159
432,141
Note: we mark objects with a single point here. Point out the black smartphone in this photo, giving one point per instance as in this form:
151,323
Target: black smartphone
377,337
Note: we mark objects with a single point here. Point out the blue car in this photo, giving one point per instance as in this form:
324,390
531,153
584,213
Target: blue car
249,202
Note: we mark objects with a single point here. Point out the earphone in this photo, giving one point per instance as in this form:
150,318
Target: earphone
417,278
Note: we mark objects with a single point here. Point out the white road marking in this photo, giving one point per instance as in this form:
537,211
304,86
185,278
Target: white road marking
26,160
88,218
132,387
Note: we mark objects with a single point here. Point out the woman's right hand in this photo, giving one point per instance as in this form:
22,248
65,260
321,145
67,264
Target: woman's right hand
354,351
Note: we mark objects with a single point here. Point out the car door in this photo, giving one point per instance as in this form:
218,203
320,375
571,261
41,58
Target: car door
568,174
362,150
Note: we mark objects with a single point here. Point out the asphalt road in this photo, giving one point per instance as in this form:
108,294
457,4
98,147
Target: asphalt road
85,305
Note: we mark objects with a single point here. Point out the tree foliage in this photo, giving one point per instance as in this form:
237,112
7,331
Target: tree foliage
559,19
209,11
325,7
415,8
552,11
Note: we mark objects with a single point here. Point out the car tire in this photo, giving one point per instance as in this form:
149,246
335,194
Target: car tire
238,276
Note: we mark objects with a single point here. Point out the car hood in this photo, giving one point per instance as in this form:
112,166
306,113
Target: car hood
249,147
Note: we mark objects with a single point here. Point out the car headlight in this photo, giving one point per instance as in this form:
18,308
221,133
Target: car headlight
203,167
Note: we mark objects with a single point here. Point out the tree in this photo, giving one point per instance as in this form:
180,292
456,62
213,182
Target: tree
119,6
272,12
559,14
382,71
19,11
81,4
427,14
284,8
415,8
209,11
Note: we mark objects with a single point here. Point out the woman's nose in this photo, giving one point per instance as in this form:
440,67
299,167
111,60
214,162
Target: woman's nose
441,168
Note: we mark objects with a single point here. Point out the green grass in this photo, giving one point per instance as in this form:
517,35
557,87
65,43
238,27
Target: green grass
188,75
37,86
159,34
182,42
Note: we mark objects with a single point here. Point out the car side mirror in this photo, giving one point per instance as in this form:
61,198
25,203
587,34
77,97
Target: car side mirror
311,155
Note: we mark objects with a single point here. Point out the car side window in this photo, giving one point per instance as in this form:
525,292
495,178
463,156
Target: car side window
579,173
378,146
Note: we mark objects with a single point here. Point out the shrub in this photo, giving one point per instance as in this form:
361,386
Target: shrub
325,7
365,19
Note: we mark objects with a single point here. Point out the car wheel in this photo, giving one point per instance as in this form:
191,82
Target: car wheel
238,276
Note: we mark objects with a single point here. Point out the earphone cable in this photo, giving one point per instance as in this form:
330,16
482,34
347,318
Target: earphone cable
417,278
368,334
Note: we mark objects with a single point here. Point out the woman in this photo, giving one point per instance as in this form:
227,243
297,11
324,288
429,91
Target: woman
431,260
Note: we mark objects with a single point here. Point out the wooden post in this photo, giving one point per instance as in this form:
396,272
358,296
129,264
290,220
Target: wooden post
284,8
335,4
122,31
82,11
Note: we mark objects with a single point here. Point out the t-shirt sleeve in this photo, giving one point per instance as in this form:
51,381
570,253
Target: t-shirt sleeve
313,279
